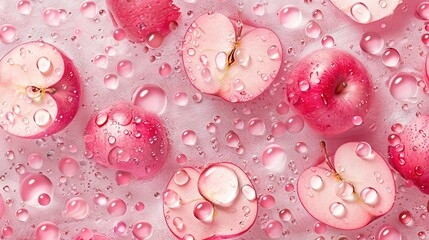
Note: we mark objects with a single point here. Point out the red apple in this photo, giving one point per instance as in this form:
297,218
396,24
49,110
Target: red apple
366,11
349,191
409,152
139,18
329,88
40,89
234,61
125,137
218,202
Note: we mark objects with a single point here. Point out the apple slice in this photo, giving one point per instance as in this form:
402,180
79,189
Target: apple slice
139,18
234,63
350,191
217,203
40,89
366,11
409,155
330,89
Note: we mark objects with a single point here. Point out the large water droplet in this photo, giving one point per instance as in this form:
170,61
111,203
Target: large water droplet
171,199
151,98
403,86
248,192
337,209
223,192
364,150
371,42
345,191
290,16
181,177
316,182
273,229
42,118
370,196
360,12
204,211
189,137
24,7
274,157
312,29
390,57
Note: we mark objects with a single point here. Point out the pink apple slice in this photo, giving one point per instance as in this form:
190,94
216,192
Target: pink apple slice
199,206
360,189
236,64
366,11
40,90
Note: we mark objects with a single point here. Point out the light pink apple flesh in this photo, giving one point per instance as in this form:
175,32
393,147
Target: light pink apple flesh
234,63
360,190
366,11
226,191
40,90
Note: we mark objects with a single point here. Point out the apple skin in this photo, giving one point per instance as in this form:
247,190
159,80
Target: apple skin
225,218
156,15
411,156
362,174
324,71
130,140
242,80
68,90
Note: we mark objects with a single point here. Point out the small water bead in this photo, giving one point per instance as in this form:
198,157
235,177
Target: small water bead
142,230
35,161
125,68
406,218
7,33
118,155
22,214
256,127
120,228
151,98
319,228
76,208
371,43
316,182
181,158
139,206
274,157
282,108
278,129
345,191
301,147
100,60
24,7
204,211
328,41
370,196
110,51
181,99
222,193
188,237
119,34
422,10
290,16
248,192
86,234
123,178
7,231
232,139
317,14
44,65
364,150
357,120
99,199
88,9
44,199
273,52
388,232
273,229
312,29
68,166
360,12
171,198
181,177
337,209
116,207
390,57
211,127
258,9
42,118
397,128
267,201
403,86
52,17
47,230
165,70
178,223
304,85
154,40
294,124
189,137
394,140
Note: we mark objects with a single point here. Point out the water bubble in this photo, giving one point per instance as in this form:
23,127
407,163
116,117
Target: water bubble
181,99
256,127
290,16
371,42
22,214
123,178
316,182
76,208
139,206
273,52
178,223
189,137
390,57
116,207
388,232
282,108
118,155
319,228
120,228
248,192
221,60
317,14
360,12
99,199
258,9
44,199
154,40
422,10
47,230
232,139
274,157
301,147
294,124
34,185
370,196
222,193
125,68
100,60
181,158
312,29
7,33
181,177
267,201
142,230
151,98
88,9
24,7
171,198
119,34
273,229
242,56
165,70
345,190
337,209
364,150
204,211
51,16
328,41
406,218
111,81
35,161
285,215
403,86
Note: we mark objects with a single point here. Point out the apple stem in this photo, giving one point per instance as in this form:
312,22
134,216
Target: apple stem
50,90
327,160
340,88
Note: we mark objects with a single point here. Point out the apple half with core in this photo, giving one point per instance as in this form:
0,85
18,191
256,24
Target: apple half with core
331,90
350,190
40,89
230,59
409,152
218,202
366,11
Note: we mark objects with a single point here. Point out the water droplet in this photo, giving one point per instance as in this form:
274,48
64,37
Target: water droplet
181,99
42,118
328,41
7,33
256,127
88,9
337,209
294,124
34,185
47,230
151,98
273,52
371,43
388,232
312,29
171,199
360,12
165,70
24,7
248,192
118,155
204,211
68,166
357,120
178,223
422,10
290,16
274,157
406,218
119,34
125,68
285,215
390,57
116,207
316,182
142,230
51,16
267,201
403,86
100,60
221,193
154,40
370,196
317,14
22,214
181,177
111,81
242,56
345,190
273,229
44,199
232,139
364,150
258,9
319,228
76,208
221,60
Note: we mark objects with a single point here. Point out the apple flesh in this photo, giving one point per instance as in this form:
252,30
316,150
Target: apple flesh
329,88
236,63
40,89
410,156
139,18
366,11
218,202
125,137
350,191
